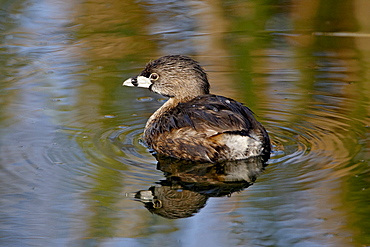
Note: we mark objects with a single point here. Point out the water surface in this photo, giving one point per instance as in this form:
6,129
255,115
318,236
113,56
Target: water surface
71,158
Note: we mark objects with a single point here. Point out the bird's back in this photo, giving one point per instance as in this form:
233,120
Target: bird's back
208,128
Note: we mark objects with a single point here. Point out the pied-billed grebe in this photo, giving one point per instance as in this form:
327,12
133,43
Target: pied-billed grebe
193,124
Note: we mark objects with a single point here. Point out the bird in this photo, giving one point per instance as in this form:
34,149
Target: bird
194,124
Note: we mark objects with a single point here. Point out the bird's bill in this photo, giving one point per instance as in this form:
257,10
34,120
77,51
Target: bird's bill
139,81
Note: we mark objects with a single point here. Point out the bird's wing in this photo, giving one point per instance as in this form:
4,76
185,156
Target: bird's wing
211,115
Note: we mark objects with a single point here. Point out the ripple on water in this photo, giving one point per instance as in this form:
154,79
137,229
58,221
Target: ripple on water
288,143
91,150
315,134
316,144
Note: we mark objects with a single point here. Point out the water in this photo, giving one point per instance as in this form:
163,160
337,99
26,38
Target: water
71,159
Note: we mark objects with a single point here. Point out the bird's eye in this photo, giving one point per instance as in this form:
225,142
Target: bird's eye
154,77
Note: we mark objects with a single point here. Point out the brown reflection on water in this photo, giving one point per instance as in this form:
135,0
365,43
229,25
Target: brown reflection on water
189,185
113,29
211,48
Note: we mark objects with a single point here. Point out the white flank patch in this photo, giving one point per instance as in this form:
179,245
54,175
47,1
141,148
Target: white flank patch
242,147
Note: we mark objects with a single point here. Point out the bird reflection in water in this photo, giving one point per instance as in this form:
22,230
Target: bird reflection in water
188,185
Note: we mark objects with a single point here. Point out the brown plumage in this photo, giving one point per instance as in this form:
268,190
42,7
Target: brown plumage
194,124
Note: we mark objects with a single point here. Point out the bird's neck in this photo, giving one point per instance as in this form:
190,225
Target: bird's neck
169,104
